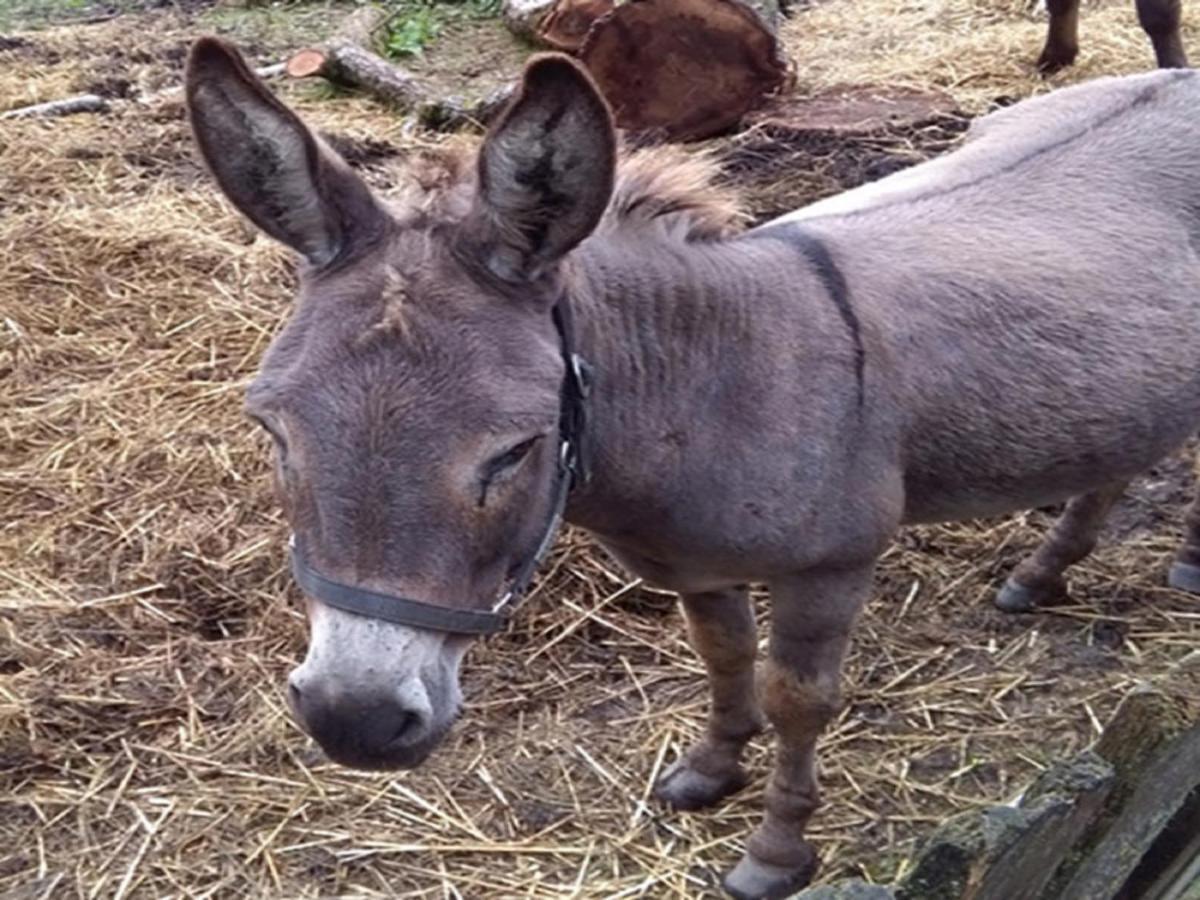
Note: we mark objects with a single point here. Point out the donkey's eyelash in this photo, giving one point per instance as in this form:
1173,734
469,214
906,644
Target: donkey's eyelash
505,462
275,433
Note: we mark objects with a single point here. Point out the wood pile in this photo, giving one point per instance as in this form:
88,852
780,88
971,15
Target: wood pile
1121,821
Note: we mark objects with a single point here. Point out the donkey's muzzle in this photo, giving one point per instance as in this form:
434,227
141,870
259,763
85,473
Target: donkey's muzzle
375,732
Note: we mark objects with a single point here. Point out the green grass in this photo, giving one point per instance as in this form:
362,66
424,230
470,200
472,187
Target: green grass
414,25
17,15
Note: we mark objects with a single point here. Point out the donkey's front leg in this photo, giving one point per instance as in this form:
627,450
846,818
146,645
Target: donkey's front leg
721,628
811,618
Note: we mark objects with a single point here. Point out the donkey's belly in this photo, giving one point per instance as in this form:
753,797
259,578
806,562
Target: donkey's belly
993,465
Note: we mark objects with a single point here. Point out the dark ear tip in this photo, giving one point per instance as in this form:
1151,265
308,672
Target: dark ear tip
546,69
211,51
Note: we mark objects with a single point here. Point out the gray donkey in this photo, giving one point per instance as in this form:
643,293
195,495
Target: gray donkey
1008,326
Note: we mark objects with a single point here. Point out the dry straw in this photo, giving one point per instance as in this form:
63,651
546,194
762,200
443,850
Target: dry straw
146,624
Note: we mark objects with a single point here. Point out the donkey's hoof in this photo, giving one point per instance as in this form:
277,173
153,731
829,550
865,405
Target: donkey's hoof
1015,598
753,879
684,787
1184,577
1056,57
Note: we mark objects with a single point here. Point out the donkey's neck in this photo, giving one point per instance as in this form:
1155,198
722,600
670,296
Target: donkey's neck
702,358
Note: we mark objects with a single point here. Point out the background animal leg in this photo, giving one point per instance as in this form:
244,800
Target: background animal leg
1185,570
1161,20
721,629
1038,580
1062,38
800,693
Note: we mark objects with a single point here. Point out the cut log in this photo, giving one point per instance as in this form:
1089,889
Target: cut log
683,69
848,110
348,61
348,64
567,24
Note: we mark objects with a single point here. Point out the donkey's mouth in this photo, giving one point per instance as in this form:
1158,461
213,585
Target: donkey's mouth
350,750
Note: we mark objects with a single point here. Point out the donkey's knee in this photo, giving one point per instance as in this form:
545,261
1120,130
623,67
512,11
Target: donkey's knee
778,860
798,709
1162,20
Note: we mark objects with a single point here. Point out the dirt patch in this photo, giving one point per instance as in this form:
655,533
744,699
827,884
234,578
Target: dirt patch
796,152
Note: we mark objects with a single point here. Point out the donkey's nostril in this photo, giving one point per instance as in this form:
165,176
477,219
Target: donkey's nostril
407,727
294,695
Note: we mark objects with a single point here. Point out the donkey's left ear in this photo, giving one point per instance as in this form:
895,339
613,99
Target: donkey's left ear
545,170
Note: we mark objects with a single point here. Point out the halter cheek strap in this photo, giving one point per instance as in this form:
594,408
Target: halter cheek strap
572,469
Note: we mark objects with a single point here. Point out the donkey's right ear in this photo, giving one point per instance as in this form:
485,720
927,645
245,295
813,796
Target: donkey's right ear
269,164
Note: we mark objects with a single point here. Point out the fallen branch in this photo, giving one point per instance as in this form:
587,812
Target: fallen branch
451,114
65,107
81,103
347,61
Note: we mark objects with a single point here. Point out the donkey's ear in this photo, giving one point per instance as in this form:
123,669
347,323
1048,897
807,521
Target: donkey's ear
545,170
269,164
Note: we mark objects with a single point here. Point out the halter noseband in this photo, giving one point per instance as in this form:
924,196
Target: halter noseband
572,469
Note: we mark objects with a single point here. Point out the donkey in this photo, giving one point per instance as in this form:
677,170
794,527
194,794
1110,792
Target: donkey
1160,19
1008,326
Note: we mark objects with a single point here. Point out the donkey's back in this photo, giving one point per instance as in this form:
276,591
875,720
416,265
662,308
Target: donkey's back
1035,296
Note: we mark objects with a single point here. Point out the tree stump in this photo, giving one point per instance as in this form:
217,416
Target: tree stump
683,69
566,25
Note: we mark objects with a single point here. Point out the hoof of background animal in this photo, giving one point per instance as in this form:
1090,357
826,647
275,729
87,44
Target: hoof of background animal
1016,598
753,879
1054,59
684,788
1184,577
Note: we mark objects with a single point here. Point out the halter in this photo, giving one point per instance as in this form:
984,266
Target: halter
572,468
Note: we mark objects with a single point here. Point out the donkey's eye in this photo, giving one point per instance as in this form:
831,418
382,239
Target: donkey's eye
510,458
276,435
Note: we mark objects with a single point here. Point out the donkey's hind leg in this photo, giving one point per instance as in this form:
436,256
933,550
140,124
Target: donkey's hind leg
1038,580
1185,570
1161,20
721,628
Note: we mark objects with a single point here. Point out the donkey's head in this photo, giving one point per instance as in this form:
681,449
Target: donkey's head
414,395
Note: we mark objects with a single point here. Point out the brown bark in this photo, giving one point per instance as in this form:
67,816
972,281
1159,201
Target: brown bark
684,69
347,60
347,64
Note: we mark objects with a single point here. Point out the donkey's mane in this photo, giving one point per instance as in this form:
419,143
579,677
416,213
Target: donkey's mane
676,194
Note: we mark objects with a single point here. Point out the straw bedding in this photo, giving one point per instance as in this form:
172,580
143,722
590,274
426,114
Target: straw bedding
146,623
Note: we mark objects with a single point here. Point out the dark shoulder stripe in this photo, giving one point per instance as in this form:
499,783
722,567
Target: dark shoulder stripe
814,250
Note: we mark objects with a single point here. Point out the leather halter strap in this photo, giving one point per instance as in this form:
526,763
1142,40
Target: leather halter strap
572,469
